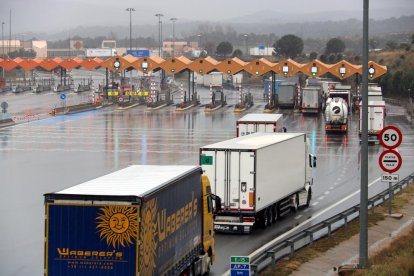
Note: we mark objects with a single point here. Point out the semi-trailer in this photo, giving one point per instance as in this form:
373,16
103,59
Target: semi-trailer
311,99
141,220
337,109
376,120
258,122
258,178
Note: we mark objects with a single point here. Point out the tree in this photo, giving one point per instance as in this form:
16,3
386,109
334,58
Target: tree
323,58
224,48
237,53
21,53
335,46
203,54
288,46
391,45
373,44
313,55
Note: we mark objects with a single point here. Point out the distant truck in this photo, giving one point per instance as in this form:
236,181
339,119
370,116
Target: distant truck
258,122
337,110
258,178
141,220
336,115
215,79
286,94
312,99
376,120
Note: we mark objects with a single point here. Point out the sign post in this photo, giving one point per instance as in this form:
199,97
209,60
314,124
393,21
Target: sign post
239,266
390,160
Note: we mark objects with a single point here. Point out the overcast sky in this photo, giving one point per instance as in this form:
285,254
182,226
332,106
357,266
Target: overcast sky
60,15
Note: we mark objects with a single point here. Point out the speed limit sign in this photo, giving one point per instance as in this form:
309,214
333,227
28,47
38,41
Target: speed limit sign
390,137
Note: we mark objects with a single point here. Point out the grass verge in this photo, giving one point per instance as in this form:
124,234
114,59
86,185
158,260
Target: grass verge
288,265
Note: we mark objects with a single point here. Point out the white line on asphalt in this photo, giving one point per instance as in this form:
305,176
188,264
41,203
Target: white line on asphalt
298,217
321,198
331,188
267,245
315,203
326,193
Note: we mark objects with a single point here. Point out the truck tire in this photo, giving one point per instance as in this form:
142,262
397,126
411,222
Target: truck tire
275,213
264,218
294,208
270,215
308,199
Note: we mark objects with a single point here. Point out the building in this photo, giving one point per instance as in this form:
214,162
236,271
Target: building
8,46
179,46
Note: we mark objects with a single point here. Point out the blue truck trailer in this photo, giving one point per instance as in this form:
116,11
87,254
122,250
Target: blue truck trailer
141,220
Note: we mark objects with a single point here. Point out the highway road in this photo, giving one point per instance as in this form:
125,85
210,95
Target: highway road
54,153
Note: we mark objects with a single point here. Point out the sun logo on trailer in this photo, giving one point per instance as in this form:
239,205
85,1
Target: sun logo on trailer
148,236
118,225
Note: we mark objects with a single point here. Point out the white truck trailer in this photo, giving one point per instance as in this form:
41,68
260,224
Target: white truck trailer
376,120
258,178
311,99
258,122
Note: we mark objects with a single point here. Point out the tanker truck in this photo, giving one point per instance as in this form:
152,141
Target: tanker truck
141,220
336,114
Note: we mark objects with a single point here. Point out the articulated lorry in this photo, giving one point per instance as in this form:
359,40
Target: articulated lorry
258,178
376,120
312,99
141,220
258,122
337,109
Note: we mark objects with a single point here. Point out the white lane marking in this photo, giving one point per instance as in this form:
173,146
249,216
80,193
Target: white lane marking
315,203
261,249
321,198
326,193
298,217
331,188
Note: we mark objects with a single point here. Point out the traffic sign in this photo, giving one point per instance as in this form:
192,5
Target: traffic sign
390,137
240,266
390,161
393,178
62,96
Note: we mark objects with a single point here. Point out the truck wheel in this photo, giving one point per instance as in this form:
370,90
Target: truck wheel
265,219
270,215
295,206
276,213
308,199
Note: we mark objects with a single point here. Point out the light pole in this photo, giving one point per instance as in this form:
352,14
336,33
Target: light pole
159,32
2,39
173,19
247,48
130,26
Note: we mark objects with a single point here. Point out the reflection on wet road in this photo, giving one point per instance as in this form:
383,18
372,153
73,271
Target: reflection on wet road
51,154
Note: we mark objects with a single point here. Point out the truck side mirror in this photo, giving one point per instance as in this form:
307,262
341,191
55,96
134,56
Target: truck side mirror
312,161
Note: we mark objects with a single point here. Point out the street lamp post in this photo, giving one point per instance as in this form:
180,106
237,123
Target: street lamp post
247,47
159,33
173,19
2,39
130,26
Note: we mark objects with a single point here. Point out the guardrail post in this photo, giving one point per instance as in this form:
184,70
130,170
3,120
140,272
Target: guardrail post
253,267
292,247
310,233
272,255
345,217
329,227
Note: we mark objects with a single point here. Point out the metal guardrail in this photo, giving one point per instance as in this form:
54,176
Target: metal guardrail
280,249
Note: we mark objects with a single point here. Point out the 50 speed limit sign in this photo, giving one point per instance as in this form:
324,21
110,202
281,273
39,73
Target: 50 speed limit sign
390,137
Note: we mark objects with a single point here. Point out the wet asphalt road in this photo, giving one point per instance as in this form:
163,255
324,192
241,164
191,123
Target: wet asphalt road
51,154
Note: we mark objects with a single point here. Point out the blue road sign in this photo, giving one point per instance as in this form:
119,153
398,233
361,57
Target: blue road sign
62,96
138,53
239,266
